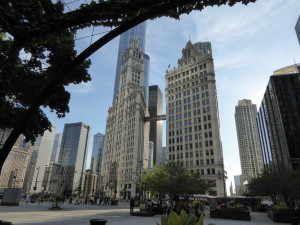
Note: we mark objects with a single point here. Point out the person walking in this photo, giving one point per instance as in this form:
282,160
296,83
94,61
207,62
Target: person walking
28,197
131,205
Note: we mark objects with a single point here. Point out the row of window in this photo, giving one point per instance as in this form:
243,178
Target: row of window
187,93
185,86
185,73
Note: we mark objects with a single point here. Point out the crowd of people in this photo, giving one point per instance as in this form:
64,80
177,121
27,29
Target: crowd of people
72,200
93,201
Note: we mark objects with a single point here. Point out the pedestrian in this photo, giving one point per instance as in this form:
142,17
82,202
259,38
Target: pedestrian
100,200
201,207
28,197
131,205
71,200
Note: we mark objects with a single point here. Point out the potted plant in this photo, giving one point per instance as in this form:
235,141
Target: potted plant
182,219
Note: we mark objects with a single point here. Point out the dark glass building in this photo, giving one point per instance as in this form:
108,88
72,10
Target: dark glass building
279,120
155,109
297,29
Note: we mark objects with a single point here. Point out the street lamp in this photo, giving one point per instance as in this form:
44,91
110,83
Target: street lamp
36,180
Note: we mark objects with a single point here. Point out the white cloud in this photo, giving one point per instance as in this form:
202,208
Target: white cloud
82,88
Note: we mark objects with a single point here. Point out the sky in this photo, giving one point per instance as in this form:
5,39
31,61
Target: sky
248,44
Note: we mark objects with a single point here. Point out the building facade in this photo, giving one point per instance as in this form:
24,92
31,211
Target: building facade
155,109
193,131
279,120
97,152
56,148
248,140
14,168
204,48
73,155
126,145
90,184
39,160
53,179
237,185
297,29
139,33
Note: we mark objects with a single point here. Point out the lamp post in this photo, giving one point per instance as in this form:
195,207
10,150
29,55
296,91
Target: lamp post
36,180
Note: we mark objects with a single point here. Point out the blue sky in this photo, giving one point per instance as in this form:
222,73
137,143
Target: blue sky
248,44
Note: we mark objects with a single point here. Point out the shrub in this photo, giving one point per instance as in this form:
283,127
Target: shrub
2,222
279,207
236,206
182,219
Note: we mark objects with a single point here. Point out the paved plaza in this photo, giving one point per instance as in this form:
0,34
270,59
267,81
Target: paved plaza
34,214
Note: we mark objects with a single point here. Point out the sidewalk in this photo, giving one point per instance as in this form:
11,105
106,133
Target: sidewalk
34,214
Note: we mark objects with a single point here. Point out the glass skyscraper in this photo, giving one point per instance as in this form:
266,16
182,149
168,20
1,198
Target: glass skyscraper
278,120
73,155
297,29
138,32
97,152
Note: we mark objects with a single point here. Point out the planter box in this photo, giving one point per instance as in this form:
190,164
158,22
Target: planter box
230,214
281,217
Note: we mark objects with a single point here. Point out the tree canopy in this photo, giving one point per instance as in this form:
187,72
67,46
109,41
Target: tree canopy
276,184
174,180
45,33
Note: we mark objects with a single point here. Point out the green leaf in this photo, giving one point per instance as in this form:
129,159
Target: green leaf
200,222
182,216
190,220
173,219
164,220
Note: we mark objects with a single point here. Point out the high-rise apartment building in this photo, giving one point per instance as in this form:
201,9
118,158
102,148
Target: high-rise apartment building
139,33
193,131
97,152
56,148
279,120
73,155
155,109
14,168
39,160
248,140
126,144
297,29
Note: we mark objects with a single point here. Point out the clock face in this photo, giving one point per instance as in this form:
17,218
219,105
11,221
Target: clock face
137,65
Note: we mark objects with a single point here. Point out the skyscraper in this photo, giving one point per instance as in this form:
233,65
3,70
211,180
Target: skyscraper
155,109
297,29
237,185
248,140
39,160
204,47
97,152
126,144
14,168
73,155
56,148
139,33
279,120
193,133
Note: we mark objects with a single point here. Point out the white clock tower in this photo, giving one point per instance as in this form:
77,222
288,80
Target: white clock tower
127,135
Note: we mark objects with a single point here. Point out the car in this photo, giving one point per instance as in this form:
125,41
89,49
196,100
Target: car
151,202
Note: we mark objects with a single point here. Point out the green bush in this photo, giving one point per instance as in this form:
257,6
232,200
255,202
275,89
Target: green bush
279,207
236,206
182,219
